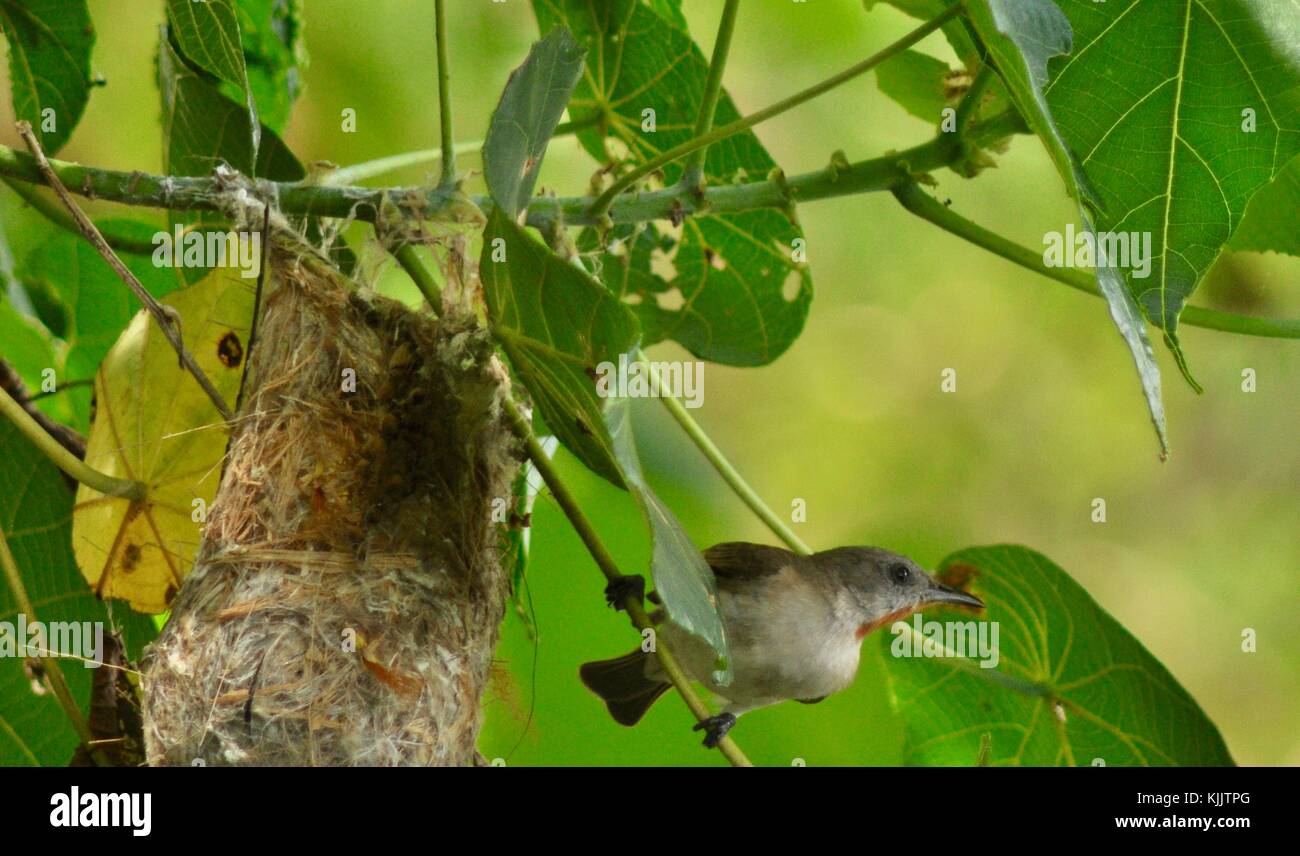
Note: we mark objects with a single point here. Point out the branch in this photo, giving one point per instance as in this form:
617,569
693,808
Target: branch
415,269
925,206
62,458
50,663
602,204
444,97
184,193
693,177
524,430
167,318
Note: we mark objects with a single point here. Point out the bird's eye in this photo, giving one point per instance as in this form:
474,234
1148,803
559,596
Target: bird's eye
899,573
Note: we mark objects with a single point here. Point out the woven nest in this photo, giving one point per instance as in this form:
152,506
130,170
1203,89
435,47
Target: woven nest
345,601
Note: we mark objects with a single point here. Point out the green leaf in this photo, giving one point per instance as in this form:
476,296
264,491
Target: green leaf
1269,224
203,128
534,99
735,295
36,513
682,577
1071,685
1160,130
917,82
558,325
274,56
207,33
1021,36
670,11
49,64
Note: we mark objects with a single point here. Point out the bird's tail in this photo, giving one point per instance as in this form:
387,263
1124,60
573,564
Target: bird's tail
623,685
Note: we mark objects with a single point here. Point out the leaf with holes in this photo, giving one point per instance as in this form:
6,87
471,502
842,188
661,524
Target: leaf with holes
49,64
1070,685
531,105
35,513
1021,37
1178,112
154,424
736,293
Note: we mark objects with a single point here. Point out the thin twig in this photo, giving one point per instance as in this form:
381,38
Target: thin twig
444,97
168,319
693,177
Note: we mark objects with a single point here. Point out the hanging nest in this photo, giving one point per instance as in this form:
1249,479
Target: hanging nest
345,601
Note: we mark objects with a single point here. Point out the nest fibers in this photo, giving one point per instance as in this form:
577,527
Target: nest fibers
343,607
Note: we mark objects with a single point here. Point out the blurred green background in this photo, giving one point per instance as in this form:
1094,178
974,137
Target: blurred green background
1047,414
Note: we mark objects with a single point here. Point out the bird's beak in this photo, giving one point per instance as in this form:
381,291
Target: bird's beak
940,593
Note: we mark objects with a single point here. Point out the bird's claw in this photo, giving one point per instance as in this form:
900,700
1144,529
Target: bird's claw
715,728
617,592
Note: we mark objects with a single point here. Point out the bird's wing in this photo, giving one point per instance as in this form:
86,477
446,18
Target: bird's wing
737,560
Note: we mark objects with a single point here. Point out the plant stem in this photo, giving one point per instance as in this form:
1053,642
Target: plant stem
569,505
444,97
50,663
693,177
602,204
410,262
62,458
720,463
925,206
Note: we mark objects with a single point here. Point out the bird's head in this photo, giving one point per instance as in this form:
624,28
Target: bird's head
883,586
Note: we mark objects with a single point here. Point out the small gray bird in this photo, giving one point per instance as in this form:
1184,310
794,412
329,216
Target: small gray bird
794,624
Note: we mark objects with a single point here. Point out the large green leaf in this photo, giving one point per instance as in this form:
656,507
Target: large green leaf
1071,685
207,34
49,63
36,513
1021,37
735,293
1151,100
522,125
558,325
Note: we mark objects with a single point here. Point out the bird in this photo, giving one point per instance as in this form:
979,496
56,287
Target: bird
794,626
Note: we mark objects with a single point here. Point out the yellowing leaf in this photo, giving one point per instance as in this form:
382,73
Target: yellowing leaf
155,425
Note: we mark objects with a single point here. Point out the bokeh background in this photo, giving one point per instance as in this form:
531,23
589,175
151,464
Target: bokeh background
1046,417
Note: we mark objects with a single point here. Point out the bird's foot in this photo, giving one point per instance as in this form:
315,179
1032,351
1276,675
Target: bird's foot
715,728
624,587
